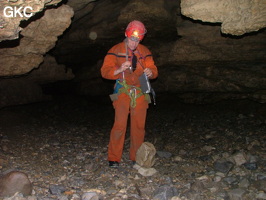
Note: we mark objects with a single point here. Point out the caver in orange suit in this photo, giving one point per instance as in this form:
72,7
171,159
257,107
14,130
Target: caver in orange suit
123,104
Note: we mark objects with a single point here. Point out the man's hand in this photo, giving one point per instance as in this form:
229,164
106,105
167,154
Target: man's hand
123,67
148,72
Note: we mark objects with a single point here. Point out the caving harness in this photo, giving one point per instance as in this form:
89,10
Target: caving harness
131,90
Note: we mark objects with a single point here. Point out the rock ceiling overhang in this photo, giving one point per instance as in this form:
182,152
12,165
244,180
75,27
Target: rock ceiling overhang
236,17
79,32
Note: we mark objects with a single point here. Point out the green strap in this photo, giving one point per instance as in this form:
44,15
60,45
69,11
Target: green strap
125,89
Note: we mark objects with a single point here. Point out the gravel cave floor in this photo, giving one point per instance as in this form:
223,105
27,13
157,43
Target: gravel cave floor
63,144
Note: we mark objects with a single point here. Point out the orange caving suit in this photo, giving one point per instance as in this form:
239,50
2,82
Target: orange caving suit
113,60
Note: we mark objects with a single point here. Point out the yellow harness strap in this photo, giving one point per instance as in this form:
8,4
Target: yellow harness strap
127,90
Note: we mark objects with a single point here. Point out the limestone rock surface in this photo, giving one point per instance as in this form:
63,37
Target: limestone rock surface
81,7
49,71
10,19
237,17
37,38
27,88
194,59
145,155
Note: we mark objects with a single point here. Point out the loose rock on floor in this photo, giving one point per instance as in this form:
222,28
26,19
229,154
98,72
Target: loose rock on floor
204,151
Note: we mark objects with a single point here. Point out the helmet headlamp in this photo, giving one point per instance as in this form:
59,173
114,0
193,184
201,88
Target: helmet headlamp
135,30
135,36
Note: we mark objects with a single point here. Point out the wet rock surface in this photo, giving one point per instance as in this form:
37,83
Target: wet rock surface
214,151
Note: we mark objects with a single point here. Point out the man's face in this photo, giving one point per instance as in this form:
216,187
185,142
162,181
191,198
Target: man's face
132,44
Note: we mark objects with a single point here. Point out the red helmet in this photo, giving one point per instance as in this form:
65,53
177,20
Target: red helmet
135,30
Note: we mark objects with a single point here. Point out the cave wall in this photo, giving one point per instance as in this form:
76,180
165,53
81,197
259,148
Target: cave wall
212,66
20,58
237,17
205,50
37,38
195,59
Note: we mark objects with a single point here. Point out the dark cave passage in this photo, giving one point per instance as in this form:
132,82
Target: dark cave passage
208,126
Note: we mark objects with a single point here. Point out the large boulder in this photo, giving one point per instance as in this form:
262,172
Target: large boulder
14,182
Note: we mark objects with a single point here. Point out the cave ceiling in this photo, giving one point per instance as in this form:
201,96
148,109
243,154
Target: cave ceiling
202,43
